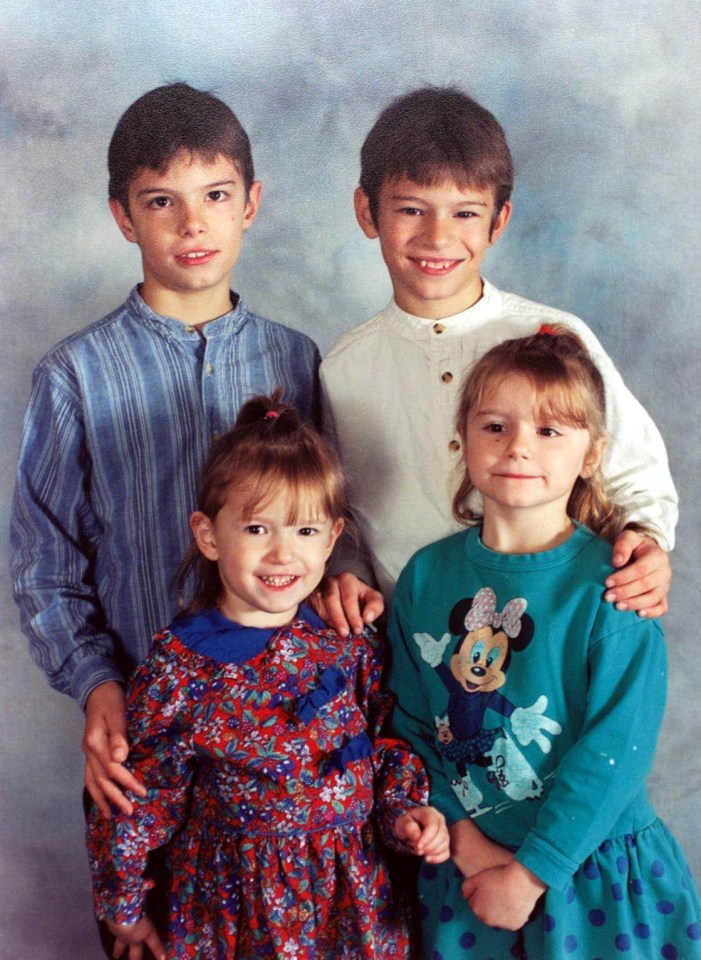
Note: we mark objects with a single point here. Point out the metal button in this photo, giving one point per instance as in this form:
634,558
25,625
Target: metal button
454,445
208,368
438,328
447,376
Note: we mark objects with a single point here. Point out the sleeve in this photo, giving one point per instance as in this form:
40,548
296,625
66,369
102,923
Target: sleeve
162,757
412,719
400,778
53,535
605,770
635,466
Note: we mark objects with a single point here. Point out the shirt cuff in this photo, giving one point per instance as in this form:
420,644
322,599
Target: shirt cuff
89,673
547,863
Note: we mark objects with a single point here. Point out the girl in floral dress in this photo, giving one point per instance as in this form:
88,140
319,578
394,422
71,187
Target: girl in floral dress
259,735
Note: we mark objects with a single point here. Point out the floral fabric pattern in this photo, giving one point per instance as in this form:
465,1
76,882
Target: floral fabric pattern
271,783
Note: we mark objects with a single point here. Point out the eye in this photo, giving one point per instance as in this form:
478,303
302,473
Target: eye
494,427
158,203
308,531
255,529
411,211
466,214
477,651
217,195
548,432
493,655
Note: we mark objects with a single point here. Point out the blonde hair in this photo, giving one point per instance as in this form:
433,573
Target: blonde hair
268,450
569,385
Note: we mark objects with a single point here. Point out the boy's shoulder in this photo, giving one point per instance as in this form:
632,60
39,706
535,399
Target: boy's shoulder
280,330
366,331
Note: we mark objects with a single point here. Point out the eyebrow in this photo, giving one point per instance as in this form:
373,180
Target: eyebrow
208,186
459,203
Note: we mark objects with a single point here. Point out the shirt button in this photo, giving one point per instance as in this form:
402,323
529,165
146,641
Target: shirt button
208,368
438,328
189,329
447,376
454,445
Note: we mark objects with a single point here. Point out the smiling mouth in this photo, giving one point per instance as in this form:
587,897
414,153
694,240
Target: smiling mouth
195,256
279,583
435,266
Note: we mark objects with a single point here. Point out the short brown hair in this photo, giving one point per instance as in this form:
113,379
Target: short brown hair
433,134
167,120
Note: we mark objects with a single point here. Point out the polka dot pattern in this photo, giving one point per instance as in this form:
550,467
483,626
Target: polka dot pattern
626,902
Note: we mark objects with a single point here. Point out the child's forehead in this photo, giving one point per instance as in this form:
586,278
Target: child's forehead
444,182
527,394
258,498
190,163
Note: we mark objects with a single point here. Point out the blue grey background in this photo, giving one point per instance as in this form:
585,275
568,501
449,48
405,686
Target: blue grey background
601,106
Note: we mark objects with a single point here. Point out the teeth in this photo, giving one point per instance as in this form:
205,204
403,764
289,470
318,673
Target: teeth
278,581
436,264
195,256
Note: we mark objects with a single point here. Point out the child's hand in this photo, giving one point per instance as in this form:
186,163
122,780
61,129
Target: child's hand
106,748
134,937
472,851
347,604
423,830
503,896
643,583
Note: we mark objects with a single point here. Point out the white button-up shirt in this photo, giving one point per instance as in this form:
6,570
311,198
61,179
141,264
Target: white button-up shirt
391,388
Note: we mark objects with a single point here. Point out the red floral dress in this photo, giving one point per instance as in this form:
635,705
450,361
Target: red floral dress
270,781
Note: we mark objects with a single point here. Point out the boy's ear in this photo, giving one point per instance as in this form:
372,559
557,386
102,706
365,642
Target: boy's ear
593,458
123,222
203,530
252,204
363,214
500,222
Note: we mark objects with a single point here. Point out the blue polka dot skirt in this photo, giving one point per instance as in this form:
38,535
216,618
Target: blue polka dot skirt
633,899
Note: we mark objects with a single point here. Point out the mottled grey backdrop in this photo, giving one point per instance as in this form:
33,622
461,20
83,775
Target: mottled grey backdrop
601,106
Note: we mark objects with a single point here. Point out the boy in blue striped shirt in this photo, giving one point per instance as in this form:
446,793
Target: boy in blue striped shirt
122,414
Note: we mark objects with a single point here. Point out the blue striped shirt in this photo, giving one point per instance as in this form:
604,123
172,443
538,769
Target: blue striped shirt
120,419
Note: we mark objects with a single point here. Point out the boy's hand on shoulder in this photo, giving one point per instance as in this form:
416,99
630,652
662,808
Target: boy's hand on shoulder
106,747
643,580
133,937
347,604
503,896
424,831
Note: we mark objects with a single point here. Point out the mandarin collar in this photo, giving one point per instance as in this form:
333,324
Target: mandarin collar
175,329
420,328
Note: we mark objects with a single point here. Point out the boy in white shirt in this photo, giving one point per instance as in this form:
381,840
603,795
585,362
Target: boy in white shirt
435,188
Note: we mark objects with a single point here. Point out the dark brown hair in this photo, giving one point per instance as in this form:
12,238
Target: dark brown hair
167,120
569,386
268,450
434,134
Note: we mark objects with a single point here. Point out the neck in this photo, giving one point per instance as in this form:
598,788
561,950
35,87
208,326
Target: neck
195,308
522,532
440,309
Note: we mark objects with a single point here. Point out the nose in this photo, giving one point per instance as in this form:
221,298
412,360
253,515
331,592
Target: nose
192,221
519,443
280,549
438,230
